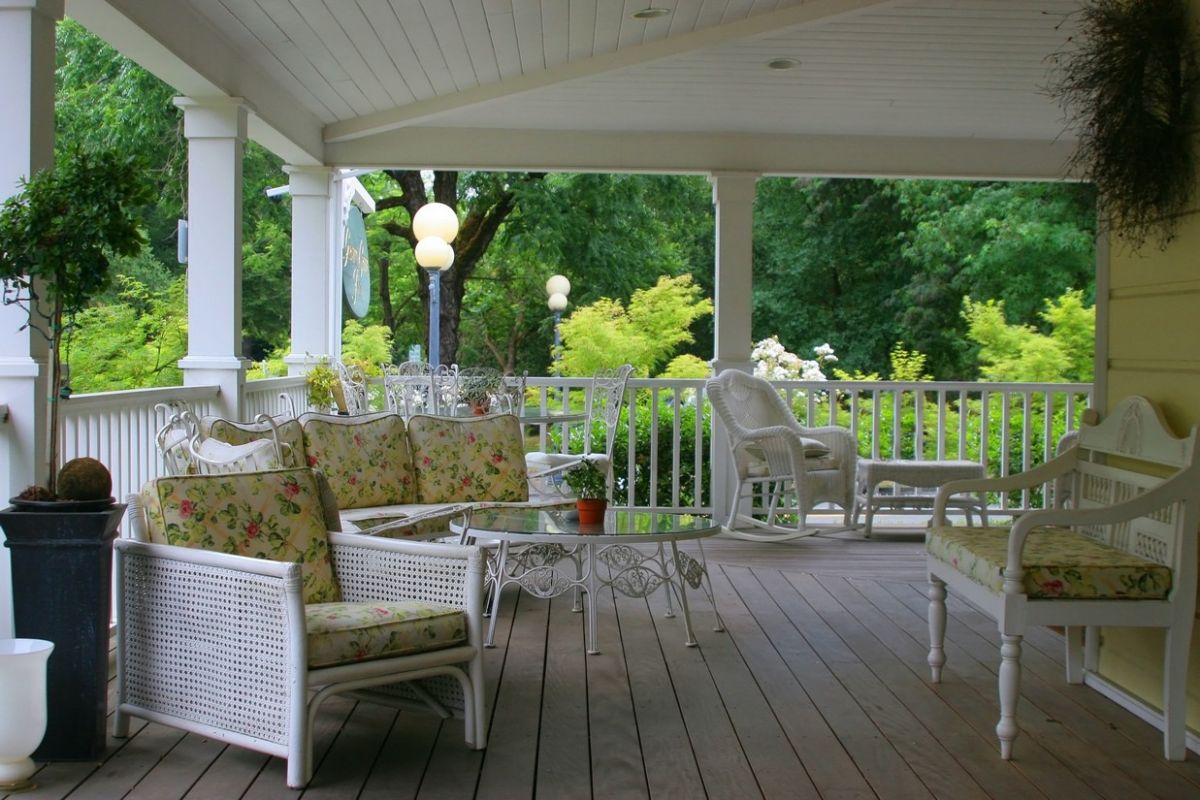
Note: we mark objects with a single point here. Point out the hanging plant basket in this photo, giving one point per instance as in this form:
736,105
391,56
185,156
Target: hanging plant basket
1128,84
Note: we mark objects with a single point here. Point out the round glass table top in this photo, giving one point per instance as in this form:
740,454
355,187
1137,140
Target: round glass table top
619,525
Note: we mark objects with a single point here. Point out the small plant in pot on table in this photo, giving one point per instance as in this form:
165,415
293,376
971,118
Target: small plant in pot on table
590,484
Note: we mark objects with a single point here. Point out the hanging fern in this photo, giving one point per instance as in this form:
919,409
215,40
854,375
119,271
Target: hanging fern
1130,88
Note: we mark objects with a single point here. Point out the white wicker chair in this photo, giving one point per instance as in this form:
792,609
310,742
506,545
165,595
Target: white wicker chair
217,644
782,467
605,400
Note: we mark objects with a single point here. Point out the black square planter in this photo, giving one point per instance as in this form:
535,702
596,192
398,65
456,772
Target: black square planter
62,592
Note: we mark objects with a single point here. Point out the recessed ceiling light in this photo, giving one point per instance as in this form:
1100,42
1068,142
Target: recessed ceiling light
783,63
653,12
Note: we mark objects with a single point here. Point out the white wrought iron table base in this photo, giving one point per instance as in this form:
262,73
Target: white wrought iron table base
548,553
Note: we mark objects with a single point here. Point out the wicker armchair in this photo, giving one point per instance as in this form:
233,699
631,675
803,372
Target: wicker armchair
782,467
245,649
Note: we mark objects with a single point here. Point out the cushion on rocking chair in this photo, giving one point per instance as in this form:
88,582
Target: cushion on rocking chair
1058,563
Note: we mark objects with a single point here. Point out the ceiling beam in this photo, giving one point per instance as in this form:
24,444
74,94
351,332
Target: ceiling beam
759,25
169,39
588,151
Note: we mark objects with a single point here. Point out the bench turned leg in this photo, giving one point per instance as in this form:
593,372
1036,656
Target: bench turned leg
937,628
1010,687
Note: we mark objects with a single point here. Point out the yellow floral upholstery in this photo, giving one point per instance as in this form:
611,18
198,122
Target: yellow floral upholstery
340,633
275,515
291,436
366,459
460,460
1058,562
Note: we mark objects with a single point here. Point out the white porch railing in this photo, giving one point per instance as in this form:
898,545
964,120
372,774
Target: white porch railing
664,457
118,428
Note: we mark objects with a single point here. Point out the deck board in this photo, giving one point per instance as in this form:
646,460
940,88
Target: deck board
818,689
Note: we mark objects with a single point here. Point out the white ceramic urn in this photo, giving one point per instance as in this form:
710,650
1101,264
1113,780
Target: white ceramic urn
22,708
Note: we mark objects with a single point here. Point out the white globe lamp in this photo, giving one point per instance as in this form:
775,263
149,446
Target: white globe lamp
558,284
557,302
435,219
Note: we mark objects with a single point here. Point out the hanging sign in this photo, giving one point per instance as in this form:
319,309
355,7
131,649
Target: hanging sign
356,268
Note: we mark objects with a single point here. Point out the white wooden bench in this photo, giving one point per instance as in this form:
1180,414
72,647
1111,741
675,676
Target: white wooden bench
1123,554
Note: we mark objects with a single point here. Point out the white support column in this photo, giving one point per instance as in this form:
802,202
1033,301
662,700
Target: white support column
216,132
313,195
26,145
733,196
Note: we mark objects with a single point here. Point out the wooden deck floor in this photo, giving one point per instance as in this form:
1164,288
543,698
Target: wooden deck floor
819,689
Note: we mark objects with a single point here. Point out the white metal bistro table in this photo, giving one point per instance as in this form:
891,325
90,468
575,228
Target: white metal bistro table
545,538
530,417
913,476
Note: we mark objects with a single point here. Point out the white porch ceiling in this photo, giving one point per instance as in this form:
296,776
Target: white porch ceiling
897,87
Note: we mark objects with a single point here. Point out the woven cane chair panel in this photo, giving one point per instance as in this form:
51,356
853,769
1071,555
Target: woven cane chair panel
368,574
205,644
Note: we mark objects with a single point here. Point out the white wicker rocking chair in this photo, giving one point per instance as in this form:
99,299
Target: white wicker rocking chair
783,468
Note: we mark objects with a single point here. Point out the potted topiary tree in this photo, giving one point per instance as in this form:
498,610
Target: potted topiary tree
590,485
57,236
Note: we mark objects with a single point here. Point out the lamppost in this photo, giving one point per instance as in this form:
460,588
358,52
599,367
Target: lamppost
435,225
557,289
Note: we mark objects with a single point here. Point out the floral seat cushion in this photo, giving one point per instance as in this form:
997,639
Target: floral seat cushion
342,633
365,458
1058,563
463,460
275,515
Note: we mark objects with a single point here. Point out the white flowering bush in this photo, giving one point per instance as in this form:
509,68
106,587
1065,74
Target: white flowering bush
774,363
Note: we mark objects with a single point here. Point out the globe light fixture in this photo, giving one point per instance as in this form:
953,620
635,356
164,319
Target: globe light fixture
435,225
557,289
435,219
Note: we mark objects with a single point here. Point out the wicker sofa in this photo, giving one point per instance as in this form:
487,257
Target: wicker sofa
396,479
238,614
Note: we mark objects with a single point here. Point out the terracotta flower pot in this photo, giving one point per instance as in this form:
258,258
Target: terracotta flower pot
591,512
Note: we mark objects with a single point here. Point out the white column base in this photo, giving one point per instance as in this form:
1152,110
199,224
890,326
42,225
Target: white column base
299,363
225,372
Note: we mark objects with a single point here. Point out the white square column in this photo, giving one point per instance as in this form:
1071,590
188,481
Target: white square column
313,202
26,145
733,196
216,132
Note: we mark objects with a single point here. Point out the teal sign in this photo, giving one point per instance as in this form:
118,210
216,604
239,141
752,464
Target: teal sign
356,268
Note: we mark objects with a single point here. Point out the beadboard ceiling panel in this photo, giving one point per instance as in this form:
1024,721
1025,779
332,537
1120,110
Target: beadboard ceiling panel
907,68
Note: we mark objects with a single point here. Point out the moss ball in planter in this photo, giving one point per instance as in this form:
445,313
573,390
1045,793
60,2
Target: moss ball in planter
84,479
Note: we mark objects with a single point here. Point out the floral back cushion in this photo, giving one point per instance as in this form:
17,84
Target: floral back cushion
365,458
469,459
275,515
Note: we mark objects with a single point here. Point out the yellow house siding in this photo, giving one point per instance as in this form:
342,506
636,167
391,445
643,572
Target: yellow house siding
1153,339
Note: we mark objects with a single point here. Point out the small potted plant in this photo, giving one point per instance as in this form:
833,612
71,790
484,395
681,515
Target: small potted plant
590,485
324,388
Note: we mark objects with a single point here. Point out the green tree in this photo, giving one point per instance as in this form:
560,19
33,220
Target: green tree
134,342
827,267
1015,352
646,334
1018,243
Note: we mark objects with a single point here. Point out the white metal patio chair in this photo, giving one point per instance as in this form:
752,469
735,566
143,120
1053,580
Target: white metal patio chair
605,399
782,467
408,388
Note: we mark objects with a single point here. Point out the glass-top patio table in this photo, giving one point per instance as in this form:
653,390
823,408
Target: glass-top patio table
544,538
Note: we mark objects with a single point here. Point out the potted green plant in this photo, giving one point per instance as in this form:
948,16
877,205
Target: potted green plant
57,236
590,485
324,387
